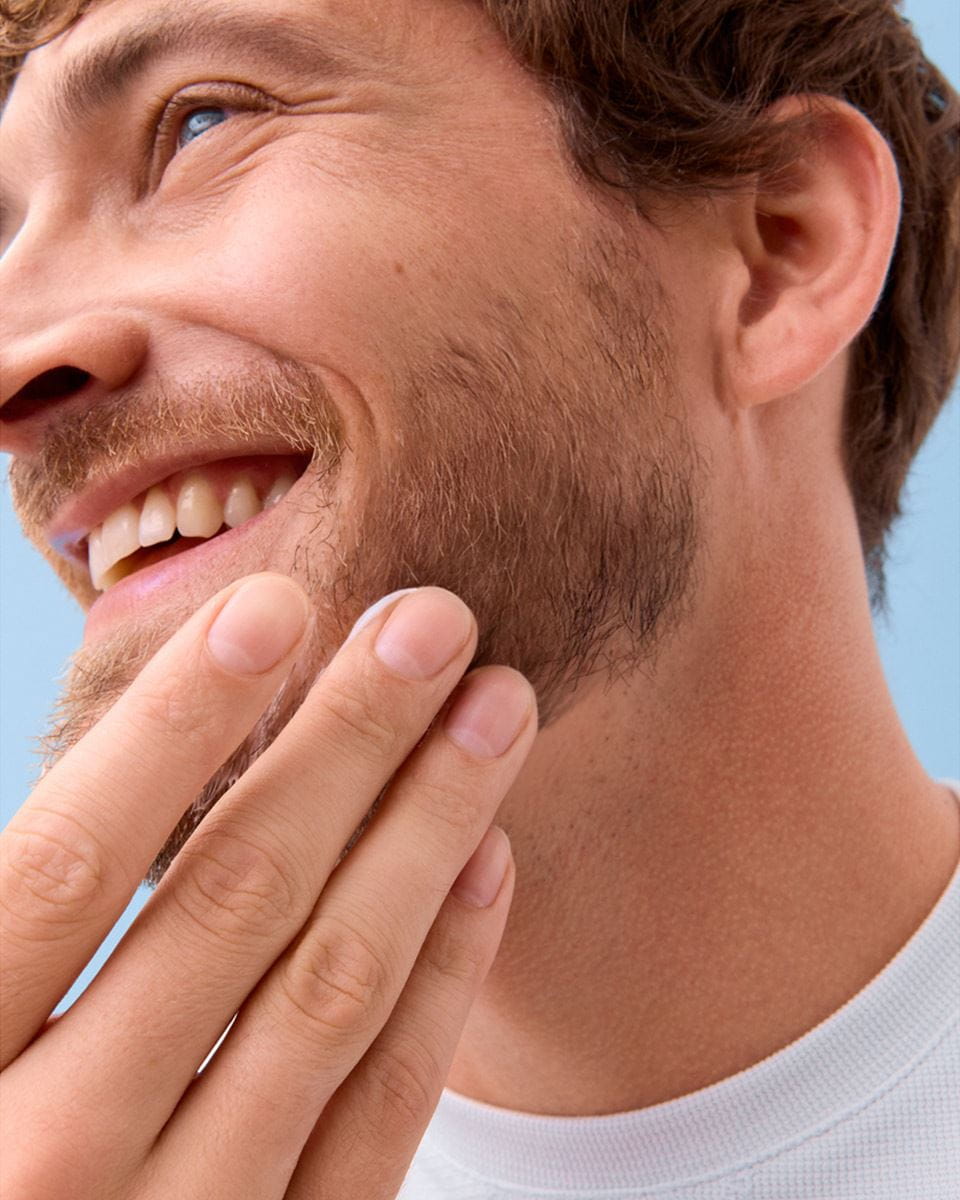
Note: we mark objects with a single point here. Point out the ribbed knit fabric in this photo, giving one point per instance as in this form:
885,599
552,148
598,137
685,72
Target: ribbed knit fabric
865,1106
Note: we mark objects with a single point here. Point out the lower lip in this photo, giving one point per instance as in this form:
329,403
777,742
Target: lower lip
128,598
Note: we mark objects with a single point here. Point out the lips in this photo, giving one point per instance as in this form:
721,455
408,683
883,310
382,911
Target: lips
197,504
177,512
179,575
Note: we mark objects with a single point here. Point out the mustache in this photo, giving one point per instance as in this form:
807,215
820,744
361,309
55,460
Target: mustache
281,401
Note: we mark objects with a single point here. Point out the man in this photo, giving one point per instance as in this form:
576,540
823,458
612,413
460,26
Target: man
605,333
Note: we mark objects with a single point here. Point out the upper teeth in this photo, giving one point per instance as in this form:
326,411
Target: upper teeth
153,518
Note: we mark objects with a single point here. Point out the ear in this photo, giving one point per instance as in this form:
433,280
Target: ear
814,251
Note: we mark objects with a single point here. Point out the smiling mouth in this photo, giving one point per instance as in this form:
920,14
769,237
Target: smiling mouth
184,510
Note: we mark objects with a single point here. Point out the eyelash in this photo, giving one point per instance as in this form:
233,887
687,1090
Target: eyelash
229,96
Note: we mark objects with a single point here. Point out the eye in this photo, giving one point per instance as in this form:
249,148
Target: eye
197,122
195,111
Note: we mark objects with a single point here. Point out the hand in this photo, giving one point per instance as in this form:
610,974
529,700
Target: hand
351,982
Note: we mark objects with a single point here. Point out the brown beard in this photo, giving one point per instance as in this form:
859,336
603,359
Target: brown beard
544,473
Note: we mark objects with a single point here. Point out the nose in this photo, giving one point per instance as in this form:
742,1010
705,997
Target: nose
73,362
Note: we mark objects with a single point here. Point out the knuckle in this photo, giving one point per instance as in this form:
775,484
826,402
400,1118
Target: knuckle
234,888
457,806
336,980
355,715
451,958
55,868
174,712
406,1084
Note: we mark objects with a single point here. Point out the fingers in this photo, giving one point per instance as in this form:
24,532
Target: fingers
247,880
75,852
382,1110
367,1135
324,1002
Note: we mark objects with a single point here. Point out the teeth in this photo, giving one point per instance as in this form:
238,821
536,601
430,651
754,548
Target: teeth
158,521
199,512
154,518
242,503
119,534
114,539
279,490
95,557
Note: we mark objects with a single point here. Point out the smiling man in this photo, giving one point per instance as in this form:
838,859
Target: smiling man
621,323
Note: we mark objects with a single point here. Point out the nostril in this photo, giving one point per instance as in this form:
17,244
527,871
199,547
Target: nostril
60,383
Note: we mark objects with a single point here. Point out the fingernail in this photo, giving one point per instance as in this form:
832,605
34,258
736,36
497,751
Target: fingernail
423,633
489,713
366,617
480,880
261,623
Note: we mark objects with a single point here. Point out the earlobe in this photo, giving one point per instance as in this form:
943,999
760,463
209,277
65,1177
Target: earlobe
816,246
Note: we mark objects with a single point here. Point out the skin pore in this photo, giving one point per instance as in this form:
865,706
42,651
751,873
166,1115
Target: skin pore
617,440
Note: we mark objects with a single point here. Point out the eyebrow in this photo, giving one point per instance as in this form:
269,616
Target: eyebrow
105,72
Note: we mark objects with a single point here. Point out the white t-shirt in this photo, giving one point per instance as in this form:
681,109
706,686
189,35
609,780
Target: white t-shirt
865,1106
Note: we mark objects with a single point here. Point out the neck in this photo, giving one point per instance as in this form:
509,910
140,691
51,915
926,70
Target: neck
710,860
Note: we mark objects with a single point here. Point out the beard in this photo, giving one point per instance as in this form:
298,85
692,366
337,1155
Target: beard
540,467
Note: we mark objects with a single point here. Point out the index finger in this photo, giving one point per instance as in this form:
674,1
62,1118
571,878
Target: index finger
73,855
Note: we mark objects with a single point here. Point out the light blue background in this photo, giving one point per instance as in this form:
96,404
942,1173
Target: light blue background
920,643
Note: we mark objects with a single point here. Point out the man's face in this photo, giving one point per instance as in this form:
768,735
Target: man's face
337,241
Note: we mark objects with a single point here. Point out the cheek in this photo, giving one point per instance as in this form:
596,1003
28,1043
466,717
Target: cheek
331,278
358,259
304,280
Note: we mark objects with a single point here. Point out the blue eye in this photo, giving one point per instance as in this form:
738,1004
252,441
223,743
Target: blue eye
198,122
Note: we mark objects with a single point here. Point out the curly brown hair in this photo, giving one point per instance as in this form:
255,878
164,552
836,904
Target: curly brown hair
666,96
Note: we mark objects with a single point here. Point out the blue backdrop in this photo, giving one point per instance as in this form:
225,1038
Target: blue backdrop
920,641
